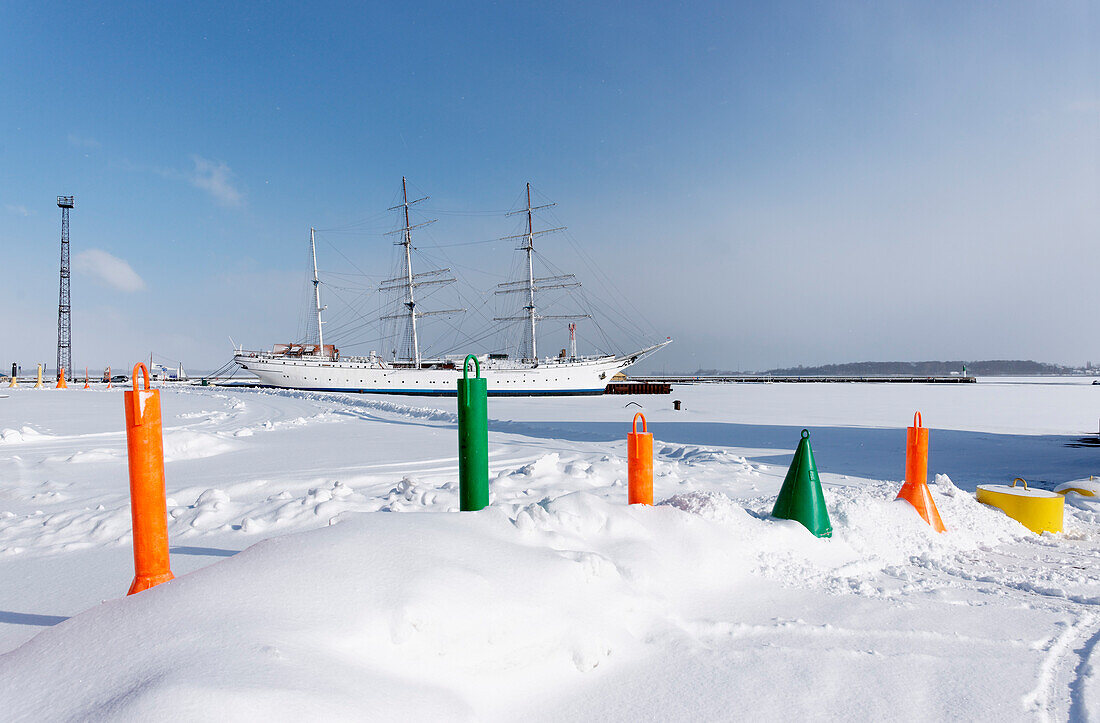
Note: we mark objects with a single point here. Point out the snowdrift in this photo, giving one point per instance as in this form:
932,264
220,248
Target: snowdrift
486,614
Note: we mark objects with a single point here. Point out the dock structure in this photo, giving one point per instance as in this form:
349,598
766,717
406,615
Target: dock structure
638,387
760,379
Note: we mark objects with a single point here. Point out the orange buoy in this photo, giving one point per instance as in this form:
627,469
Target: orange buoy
915,490
86,386
148,505
61,379
639,463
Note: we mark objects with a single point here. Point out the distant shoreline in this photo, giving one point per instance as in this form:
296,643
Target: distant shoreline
983,368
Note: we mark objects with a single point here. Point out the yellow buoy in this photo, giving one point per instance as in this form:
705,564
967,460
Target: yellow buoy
1085,488
1038,510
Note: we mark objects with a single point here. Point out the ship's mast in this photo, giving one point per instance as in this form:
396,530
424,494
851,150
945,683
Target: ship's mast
317,294
530,248
531,284
408,280
410,299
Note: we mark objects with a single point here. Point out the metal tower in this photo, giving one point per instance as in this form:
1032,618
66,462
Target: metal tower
64,321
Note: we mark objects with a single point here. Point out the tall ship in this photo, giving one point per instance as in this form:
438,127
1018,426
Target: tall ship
317,366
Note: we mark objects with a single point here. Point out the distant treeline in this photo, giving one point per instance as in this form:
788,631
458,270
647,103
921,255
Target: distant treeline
988,368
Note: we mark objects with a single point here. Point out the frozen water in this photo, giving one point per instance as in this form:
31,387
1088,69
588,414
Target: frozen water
559,601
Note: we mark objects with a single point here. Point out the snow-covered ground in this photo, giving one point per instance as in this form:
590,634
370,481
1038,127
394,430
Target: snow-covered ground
559,601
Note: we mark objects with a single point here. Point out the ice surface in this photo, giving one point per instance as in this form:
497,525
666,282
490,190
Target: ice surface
558,601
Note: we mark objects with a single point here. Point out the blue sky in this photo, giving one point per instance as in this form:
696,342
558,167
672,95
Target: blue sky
771,184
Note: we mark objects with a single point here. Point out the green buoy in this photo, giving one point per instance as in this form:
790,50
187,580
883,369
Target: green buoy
801,499
473,439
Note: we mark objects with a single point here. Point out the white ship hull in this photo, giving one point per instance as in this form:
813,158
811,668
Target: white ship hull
550,377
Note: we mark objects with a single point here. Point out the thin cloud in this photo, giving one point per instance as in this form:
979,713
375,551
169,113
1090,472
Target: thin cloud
216,178
83,141
17,209
108,269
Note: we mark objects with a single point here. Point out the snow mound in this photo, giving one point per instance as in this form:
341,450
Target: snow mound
709,505
24,434
87,456
460,610
1085,487
270,425
480,613
1084,494
353,402
699,456
181,444
215,510
44,533
407,495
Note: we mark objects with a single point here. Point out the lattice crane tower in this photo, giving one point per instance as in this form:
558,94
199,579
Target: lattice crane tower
64,320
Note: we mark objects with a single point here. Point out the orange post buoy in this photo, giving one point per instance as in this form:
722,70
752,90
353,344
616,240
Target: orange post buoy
108,377
86,386
148,506
639,463
915,490
61,379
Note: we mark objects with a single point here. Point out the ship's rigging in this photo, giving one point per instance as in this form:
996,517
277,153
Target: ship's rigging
392,306
408,281
531,285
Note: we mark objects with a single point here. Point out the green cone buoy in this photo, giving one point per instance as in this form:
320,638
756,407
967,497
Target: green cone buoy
800,499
